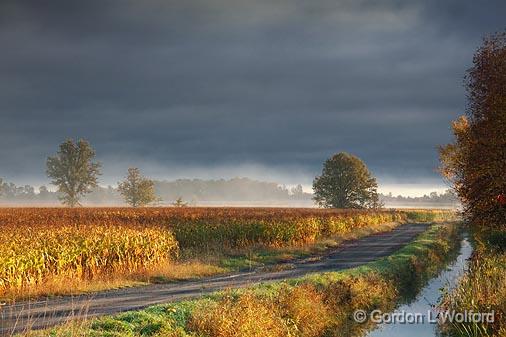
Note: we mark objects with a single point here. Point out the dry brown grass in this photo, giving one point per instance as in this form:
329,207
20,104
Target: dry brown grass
298,311
305,310
372,291
246,316
179,271
60,285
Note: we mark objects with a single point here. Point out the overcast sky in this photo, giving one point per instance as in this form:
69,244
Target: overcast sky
266,89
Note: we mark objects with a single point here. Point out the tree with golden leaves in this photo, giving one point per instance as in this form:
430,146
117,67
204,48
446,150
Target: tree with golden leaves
476,162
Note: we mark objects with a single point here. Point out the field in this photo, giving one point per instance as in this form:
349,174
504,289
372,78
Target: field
45,246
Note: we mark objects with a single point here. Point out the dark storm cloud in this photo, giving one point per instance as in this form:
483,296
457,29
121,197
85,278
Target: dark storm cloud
221,83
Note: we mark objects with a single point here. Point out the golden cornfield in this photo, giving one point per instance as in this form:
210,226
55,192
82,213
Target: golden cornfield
87,242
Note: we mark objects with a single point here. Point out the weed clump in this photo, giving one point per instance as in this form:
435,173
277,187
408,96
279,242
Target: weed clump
247,316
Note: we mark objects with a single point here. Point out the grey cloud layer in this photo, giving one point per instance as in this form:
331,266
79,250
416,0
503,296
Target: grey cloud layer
204,83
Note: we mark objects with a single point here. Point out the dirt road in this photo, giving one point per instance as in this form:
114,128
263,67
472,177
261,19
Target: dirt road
45,313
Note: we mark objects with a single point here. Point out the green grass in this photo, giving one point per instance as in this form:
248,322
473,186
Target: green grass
333,296
254,258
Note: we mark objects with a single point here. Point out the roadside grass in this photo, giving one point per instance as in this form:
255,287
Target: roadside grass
261,256
483,287
195,264
319,304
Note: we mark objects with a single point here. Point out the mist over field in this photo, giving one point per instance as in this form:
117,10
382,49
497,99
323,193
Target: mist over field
214,192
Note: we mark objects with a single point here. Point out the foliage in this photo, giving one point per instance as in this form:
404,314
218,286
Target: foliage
136,189
475,162
345,183
73,171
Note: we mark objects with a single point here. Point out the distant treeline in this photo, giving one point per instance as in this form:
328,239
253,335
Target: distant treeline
198,191
447,199
192,191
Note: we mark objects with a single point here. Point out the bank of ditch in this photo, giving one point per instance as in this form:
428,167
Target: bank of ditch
483,287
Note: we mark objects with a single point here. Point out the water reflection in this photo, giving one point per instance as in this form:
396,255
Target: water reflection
425,300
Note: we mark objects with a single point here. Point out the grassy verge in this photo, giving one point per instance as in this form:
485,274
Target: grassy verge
316,305
483,288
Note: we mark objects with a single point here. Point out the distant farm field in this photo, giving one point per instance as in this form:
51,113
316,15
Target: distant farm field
86,243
